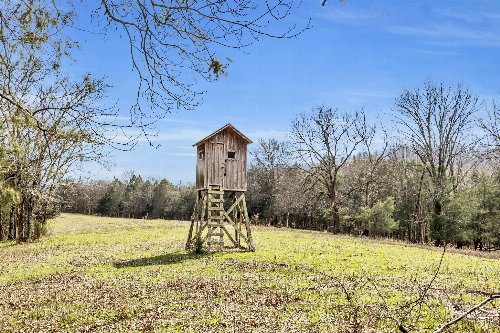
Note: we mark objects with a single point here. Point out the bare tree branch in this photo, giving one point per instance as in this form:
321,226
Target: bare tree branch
466,313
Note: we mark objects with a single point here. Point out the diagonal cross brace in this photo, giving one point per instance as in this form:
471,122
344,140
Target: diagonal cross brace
228,218
233,206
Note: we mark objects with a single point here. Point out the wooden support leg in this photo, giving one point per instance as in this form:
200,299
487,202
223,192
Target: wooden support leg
189,241
194,219
237,241
251,245
207,223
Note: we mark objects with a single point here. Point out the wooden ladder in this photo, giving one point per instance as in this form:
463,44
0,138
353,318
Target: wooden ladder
215,218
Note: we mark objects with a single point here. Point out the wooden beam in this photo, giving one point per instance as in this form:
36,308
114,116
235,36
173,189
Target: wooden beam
247,224
229,235
235,228
211,202
235,204
190,235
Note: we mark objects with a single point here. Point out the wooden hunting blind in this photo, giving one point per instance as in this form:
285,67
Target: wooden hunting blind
221,182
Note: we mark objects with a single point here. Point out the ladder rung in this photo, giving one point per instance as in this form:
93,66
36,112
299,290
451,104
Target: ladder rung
215,192
216,200
215,243
215,208
220,217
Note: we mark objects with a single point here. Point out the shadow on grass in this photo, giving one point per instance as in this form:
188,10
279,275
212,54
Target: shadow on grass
164,259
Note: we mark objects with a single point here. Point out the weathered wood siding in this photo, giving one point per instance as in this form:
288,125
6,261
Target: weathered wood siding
200,167
216,168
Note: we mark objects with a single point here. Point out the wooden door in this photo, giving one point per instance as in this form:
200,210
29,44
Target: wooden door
217,164
230,173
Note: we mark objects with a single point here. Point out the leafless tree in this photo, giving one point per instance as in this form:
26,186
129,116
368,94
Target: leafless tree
174,43
324,142
373,160
491,125
273,156
270,166
436,121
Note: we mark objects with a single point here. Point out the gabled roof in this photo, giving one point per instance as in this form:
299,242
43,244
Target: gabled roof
227,126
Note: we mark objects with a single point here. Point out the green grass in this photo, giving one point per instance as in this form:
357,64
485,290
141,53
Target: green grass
101,274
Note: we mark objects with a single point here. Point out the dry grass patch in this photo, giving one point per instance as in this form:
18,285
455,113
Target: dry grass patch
100,275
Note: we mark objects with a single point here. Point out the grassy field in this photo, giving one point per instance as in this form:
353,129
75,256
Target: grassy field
100,274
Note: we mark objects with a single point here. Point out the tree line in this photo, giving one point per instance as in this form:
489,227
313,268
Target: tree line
436,179
132,197
387,196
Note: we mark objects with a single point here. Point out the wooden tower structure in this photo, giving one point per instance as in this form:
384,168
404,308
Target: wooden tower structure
221,181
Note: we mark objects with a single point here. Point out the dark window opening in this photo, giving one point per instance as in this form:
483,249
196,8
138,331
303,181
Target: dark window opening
201,155
231,154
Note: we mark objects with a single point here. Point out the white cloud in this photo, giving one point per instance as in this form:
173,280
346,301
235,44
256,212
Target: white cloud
372,93
181,135
114,118
450,34
437,52
351,15
353,99
184,154
469,15
267,134
178,121
466,27
163,135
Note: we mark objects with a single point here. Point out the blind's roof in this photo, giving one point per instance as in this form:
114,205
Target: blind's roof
227,126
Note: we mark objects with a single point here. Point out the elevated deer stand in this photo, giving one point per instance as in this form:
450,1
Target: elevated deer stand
220,207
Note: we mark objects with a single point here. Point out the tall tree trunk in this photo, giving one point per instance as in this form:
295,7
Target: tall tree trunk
416,213
336,217
11,234
20,222
1,226
29,220
334,204
367,193
438,227
410,224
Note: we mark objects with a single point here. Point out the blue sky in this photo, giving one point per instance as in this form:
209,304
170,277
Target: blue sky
362,54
